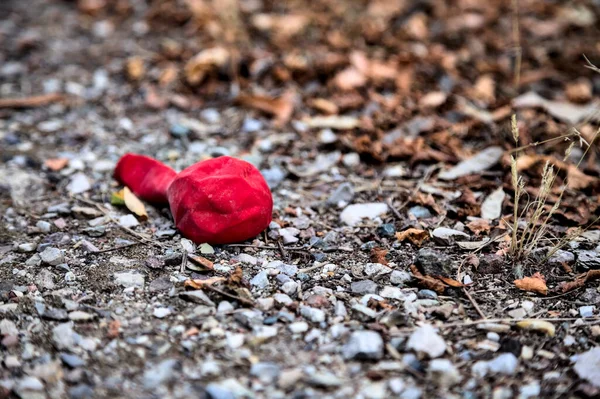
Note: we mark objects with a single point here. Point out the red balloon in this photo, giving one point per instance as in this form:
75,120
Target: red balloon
219,201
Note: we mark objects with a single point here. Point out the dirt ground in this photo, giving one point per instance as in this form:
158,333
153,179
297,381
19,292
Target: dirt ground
383,129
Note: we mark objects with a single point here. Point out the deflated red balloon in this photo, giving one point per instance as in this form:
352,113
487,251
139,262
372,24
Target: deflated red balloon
219,201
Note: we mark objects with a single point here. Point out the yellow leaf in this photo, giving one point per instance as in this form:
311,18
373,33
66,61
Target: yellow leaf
134,204
538,325
117,198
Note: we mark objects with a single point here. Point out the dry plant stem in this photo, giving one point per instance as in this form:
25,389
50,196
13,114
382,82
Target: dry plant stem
517,43
474,303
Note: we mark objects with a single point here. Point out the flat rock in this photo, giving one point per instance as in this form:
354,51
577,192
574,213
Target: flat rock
130,279
426,340
354,214
363,345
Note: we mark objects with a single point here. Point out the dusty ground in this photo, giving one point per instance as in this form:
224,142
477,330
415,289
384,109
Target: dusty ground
325,308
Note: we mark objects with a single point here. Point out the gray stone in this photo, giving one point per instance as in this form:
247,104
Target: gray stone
261,280
45,280
289,270
64,337
79,183
130,279
160,373
433,263
376,269
588,260
420,212
354,214
400,277
426,340
52,256
587,366
505,363
266,372
197,296
313,314
363,345
7,327
364,287
342,195
27,247
587,311
446,236
443,373
43,226
386,230
72,361
128,221
561,257
78,315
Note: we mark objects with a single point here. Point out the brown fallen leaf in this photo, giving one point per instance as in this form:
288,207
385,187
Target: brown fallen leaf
580,280
281,108
202,261
56,164
199,284
134,204
204,62
323,105
479,226
535,283
427,282
31,102
415,236
378,256
450,281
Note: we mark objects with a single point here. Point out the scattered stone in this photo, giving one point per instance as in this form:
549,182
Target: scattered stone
588,260
312,314
433,263
446,236
419,212
45,280
130,279
364,287
587,311
43,226
505,363
363,345
443,373
128,221
27,247
400,277
298,327
160,374
161,313
266,372
386,230
587,366
426,340
52,256
261,280
517,313
197,296
354,214
79,183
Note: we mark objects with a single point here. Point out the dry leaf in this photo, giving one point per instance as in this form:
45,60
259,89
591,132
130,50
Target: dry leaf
117,198
564,111
113,329
535,283
580,280
479,226
281,108
134,204
449,281
433,99
205,61
135,68
198,284
427,282
415,236
56,164
378,256
201,261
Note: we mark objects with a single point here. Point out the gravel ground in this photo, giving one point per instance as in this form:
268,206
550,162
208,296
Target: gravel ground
94,302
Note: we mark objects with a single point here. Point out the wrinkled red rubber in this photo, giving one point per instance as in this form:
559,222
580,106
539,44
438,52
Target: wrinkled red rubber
219,201
145,176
